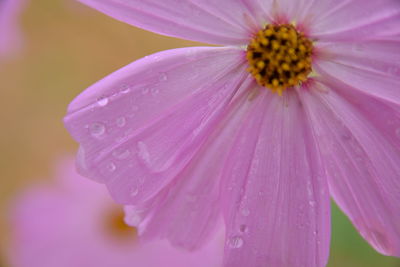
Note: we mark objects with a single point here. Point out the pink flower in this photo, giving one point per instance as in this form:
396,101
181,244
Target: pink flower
73,222
10,39
188,135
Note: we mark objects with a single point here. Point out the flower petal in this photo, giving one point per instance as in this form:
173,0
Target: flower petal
360,145
187,211
276,198
379,56
127,123
371,79
355,20
221,22
10,36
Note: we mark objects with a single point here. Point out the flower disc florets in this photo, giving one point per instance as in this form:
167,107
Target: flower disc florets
280,57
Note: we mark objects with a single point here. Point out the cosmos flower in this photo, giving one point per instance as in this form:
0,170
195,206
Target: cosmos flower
74,222
302,103
10,39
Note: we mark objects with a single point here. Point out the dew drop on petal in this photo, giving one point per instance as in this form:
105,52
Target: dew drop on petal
102,101
243,228
134,219
143,152
245,212
235,242
163,77
154,91
134,191
121,122
145,90
125,89
97,129
111,167
190,54
121,153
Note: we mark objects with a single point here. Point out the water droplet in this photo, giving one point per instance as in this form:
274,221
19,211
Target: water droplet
243,228
312,203
163,77
102,101
145,90
97,129
121,153
143,152
121,122
133,218
245,212
190,54
111,167
154,91
125,89
134,191
235,242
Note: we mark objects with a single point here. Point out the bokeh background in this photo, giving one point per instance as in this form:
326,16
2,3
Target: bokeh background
67,47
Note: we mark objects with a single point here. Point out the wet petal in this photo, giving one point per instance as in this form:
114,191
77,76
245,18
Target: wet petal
360,144
276,199
221,22
127,124
187,211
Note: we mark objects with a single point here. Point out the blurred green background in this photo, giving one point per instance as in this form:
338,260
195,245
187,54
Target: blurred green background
67,48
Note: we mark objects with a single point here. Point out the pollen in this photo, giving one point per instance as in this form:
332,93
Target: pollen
279,57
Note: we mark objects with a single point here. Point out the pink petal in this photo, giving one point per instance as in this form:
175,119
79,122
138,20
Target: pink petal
127,123
10,39
276,198
379,56
222,22
64,224
294,11
371,79
360,145
355,20
187,212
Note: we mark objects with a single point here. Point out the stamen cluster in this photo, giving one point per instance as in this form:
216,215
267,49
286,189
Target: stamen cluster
279,57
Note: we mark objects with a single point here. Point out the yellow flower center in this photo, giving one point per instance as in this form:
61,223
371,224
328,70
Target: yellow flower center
280,57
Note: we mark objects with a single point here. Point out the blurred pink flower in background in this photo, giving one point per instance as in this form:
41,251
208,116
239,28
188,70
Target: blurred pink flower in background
187,135
10,36
73,222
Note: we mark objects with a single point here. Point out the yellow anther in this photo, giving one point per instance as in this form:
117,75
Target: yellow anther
275,45
300,65
264,41
260,64
268,32
285,66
